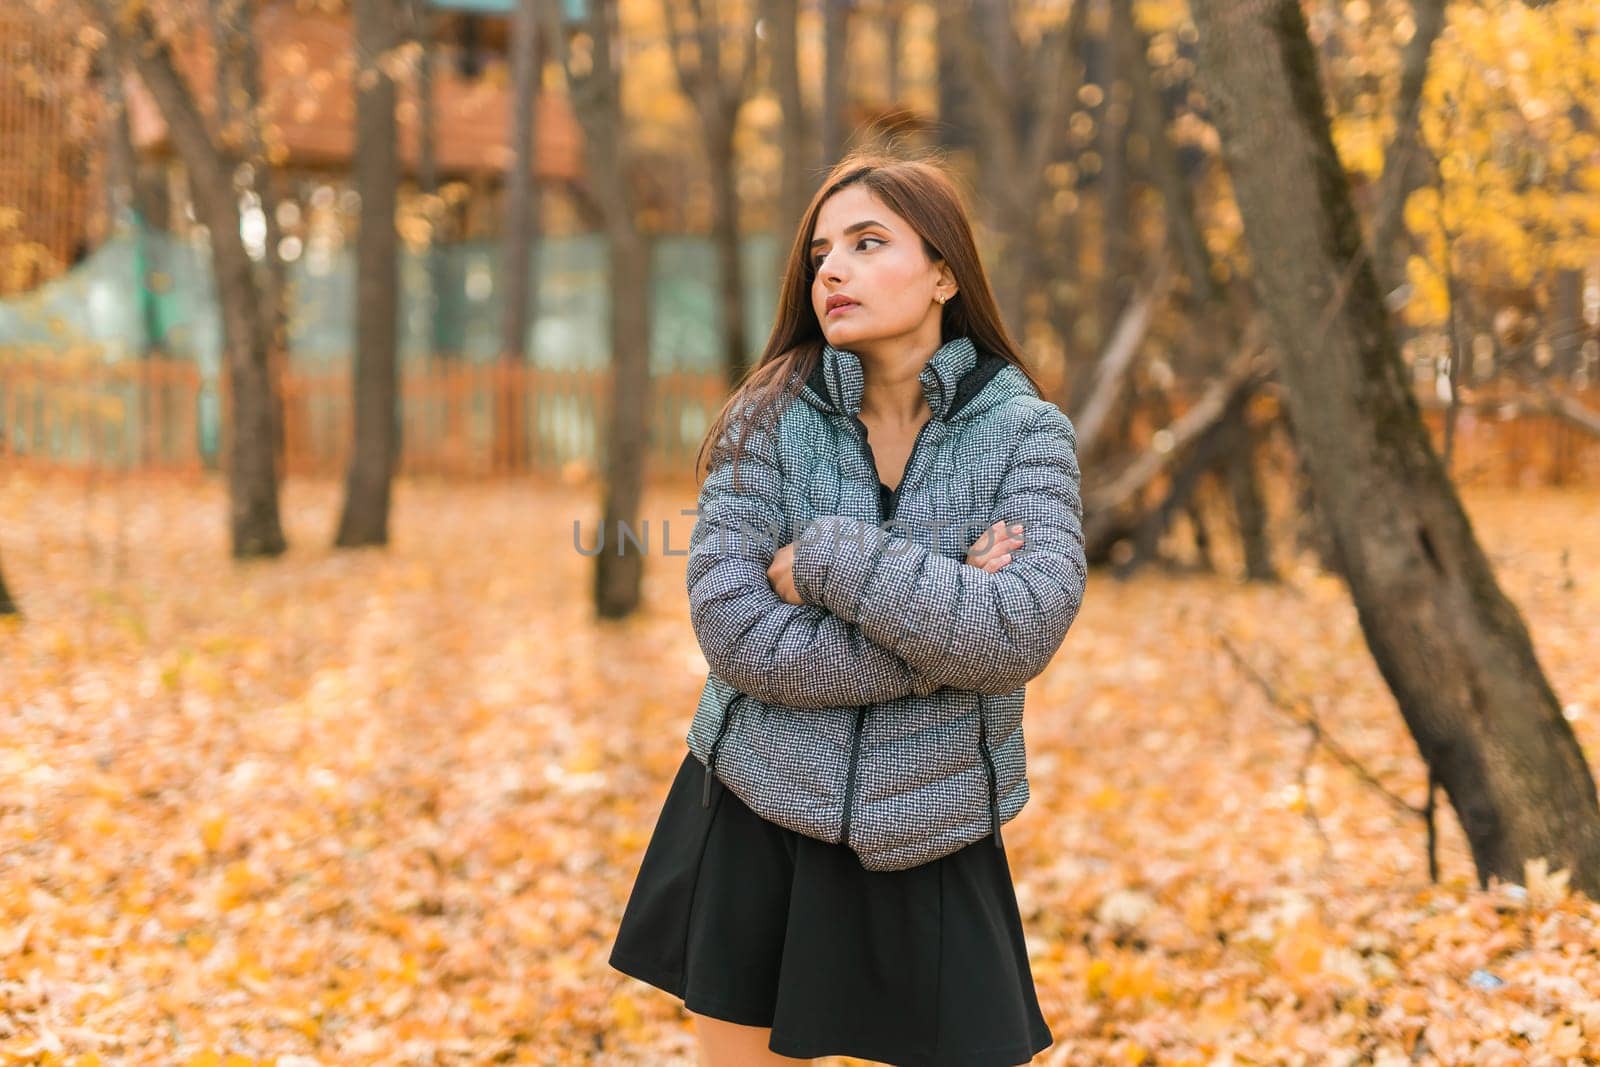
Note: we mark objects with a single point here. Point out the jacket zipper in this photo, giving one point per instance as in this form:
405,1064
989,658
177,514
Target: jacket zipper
994,788
861,711
850,776
983,742
716,742
872,459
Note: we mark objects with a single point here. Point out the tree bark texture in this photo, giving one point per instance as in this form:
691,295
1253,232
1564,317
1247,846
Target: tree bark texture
596,93
374,452
718,95
1450,644
799,177
254,522
518,275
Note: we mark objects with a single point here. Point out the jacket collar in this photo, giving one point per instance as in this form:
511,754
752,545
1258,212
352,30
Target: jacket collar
950,377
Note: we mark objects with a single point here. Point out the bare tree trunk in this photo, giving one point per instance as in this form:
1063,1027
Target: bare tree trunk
125,197
960,113
794,136
122,163
794,133
1452,647
982,40
422,29
146,183
1566,323
1238,469
521,197
252,465
129,184
894,23
274,283
1150,116
835,80
1014,154
224,16
375,451
1312,532
717,98
1115,180
596,94
725,237
620,570
1404,168
1217,317
1186,476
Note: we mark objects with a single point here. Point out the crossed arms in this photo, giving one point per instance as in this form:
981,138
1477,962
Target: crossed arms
883,617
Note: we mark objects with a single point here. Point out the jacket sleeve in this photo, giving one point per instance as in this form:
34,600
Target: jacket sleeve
963,626
798,655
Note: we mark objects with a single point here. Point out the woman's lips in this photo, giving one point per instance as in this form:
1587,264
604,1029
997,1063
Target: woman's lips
842,307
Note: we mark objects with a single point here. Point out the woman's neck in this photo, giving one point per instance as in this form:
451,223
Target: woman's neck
892,395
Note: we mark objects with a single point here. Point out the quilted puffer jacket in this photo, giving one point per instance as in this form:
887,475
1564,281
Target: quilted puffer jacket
886,710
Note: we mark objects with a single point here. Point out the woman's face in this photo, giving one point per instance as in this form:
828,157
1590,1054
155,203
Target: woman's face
880,268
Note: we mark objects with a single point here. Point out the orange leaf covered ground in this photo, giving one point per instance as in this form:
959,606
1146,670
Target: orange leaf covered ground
385,806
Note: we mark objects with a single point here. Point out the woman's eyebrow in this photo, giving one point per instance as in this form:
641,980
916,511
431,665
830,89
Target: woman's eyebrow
852,228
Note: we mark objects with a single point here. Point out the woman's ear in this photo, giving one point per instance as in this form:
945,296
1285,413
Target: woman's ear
947,282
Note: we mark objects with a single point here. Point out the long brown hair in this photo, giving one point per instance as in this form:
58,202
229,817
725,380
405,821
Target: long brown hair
919,190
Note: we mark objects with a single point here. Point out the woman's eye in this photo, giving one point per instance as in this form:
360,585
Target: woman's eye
816,261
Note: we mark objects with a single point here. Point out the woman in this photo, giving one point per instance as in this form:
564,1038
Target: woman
827,875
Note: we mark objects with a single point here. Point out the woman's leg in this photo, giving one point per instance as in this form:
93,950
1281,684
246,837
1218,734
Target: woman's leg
725,1044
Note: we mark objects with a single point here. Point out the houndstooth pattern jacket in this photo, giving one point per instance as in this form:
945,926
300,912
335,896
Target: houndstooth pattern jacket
885,711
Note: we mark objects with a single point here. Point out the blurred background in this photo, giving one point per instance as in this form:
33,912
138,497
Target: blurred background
1487,245
459,280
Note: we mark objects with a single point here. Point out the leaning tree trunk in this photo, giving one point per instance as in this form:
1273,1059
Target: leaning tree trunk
373,457
246,329
1452,647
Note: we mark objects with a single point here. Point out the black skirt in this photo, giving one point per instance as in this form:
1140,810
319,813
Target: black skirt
751,922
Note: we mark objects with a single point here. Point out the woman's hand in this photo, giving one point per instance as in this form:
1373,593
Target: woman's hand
781,575
997,543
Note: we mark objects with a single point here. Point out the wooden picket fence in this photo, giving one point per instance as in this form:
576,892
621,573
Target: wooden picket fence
465,420
1517,448
457,419
461,419
82,414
